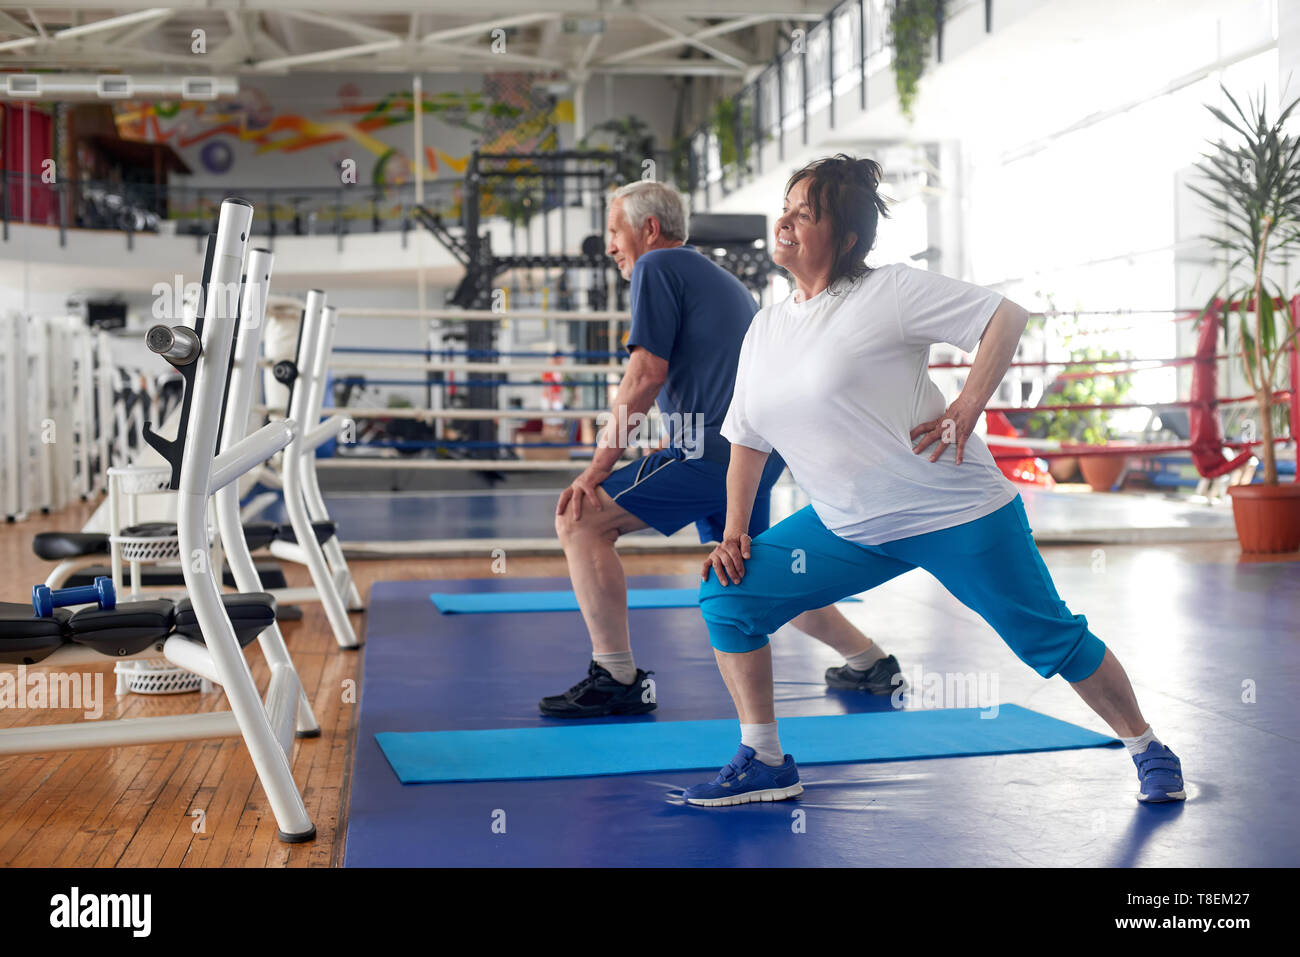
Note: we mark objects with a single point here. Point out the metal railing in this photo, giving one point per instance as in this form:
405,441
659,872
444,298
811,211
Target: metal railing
832,60
133,208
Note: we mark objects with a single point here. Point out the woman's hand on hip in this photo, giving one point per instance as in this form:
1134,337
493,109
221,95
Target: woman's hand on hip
954,427
727,560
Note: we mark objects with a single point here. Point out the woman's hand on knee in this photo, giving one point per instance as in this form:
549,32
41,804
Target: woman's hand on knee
728,560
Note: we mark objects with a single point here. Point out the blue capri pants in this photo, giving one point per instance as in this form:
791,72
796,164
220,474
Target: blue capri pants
990,564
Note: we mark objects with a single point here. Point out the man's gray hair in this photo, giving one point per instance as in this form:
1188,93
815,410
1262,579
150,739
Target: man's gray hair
648,198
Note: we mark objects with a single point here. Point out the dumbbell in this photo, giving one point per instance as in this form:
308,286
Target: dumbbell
45,599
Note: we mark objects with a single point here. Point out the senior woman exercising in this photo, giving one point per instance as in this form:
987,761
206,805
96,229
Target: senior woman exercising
835,378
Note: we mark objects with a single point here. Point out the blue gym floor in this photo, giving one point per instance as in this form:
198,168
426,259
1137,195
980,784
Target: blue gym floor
1195,639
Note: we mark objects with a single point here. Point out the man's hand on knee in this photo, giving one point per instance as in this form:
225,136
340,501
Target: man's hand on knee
586,485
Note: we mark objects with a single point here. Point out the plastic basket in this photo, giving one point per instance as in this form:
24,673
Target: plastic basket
156,676
148,549
151,548
142,479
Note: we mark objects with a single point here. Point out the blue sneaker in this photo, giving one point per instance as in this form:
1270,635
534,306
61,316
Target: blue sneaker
1161,775
746,779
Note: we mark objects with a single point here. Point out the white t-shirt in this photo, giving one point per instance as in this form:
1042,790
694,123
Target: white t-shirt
836,385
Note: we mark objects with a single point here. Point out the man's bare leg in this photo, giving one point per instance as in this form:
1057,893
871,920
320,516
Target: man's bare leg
829,626
597,571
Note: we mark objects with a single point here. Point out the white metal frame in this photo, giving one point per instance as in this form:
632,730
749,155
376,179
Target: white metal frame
331,428
267,728
243,379
299,461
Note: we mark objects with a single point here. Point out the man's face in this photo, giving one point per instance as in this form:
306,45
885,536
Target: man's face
625,244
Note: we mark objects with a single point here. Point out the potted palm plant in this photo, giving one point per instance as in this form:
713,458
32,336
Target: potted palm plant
1256,192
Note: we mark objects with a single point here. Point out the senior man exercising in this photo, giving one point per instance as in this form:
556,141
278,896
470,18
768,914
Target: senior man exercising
689,318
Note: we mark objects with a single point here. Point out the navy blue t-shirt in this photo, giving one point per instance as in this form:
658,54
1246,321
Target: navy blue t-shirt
693,313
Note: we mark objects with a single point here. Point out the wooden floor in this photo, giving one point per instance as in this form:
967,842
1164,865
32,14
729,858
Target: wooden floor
199,804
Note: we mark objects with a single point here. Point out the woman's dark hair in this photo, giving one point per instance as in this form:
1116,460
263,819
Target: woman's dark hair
845,189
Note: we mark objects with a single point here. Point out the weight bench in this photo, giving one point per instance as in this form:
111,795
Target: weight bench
78,552
137,629
199,475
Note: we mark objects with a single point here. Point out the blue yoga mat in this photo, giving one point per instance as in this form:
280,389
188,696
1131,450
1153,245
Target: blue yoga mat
426,757
483,602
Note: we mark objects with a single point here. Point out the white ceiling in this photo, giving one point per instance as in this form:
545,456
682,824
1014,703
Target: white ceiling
574,38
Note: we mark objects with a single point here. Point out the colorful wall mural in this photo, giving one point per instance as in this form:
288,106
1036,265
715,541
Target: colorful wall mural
251,136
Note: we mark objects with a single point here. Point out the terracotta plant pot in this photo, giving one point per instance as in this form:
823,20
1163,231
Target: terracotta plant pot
1064,470
1267,517
1101,472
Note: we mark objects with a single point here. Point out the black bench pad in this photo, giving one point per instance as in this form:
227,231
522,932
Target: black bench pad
260,534
26,639
324,531
58,546
129,628
250,614
169,576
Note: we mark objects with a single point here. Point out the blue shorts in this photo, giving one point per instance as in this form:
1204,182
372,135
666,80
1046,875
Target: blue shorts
990,564
668,491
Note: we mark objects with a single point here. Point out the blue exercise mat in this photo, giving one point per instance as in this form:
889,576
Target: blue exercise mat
516,601
426,757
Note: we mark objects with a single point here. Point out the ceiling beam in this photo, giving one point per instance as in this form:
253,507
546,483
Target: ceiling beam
548,45
358,30
484,27
98,26
132,36
721,28
687,39
588,52
239,35
787,9
264,44
486,54
324,56
290,32
669,68
728,46
101,58
10,25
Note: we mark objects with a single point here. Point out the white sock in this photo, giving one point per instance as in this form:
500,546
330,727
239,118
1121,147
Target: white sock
1139,744
765,742
863,660
619,664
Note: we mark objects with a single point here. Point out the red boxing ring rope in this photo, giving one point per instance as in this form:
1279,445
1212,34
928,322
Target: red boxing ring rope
1207,439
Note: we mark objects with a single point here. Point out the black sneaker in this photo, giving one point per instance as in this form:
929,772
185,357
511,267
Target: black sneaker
878,679
599,694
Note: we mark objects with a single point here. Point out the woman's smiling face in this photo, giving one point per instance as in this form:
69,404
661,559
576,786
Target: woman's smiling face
804,245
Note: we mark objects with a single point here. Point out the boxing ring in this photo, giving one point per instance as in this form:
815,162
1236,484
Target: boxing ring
1207,443
547,403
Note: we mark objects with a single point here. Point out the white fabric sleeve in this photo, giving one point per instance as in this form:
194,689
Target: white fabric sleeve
933,308
736,427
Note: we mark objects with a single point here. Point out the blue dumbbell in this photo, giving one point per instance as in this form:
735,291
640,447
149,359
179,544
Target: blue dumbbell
45,600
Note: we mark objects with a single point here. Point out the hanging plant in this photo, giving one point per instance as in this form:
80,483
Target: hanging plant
912,26
630,137
724,128
724,123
